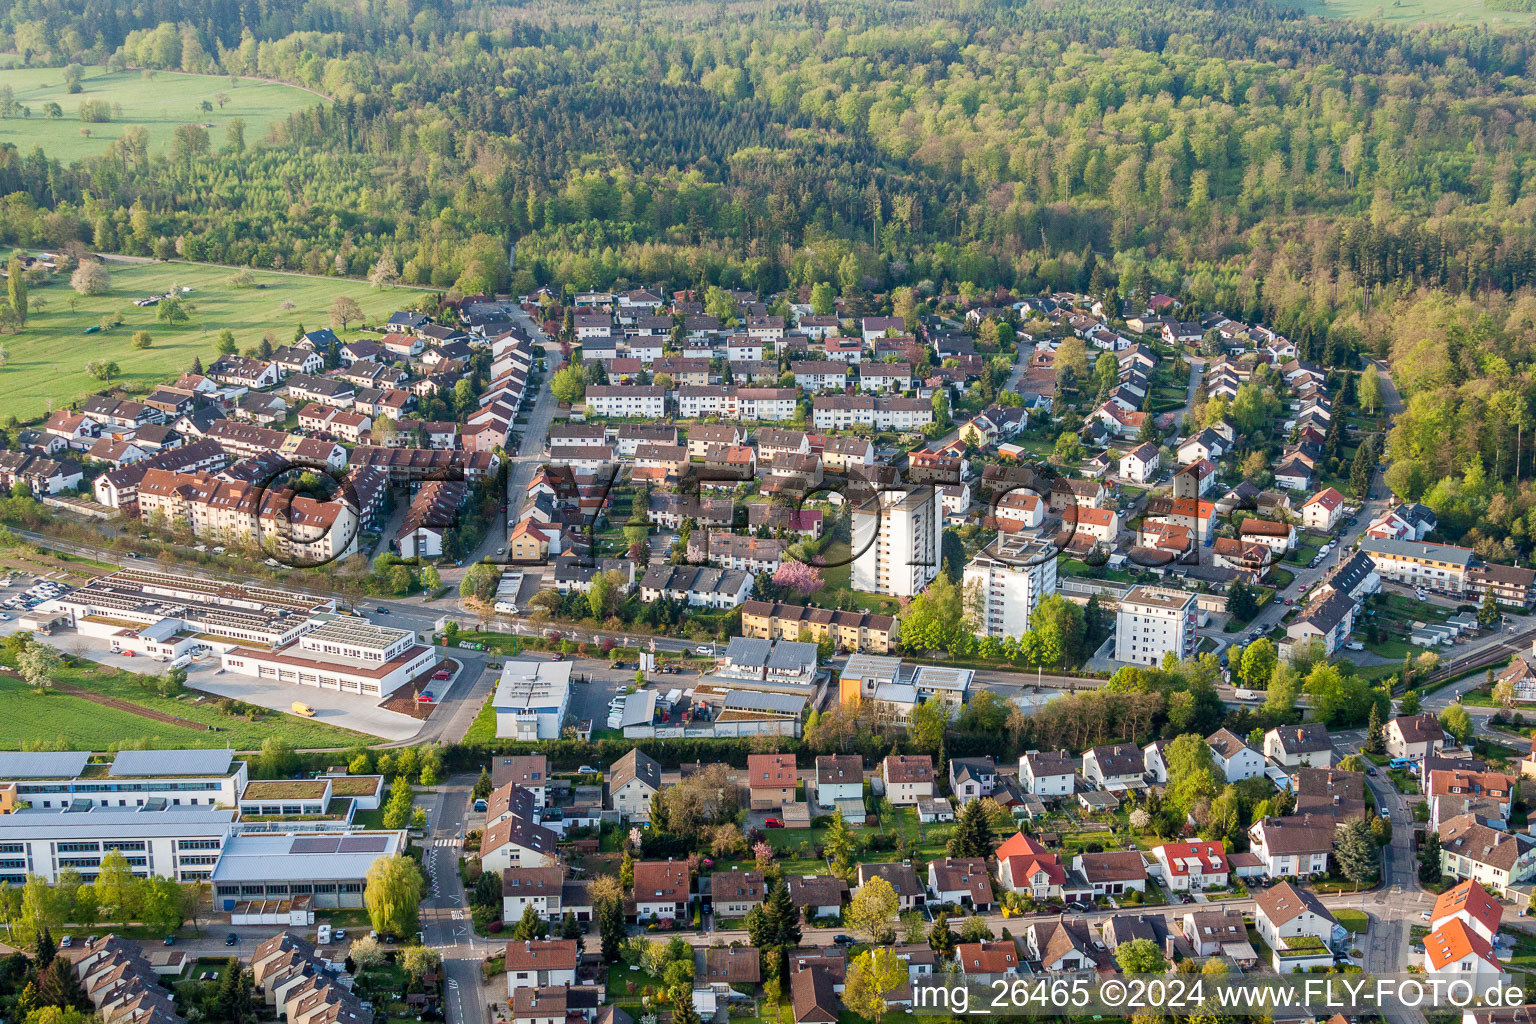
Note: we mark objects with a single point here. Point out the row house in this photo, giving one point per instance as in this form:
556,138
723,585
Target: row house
847,412
244,372
884,377
695,586
330,391
820,375
734,551
42,476
322,419
609,400
119,413
119,488
864,632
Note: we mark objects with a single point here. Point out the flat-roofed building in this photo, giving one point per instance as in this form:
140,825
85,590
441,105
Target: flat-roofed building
1152,622
344,653
131,778
1014,574
164,614
183,843
532,698
329,869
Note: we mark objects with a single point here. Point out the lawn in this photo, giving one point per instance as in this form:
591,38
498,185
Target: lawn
45,368
1354,921
837,583
483,728
74,723
159,103
1410,12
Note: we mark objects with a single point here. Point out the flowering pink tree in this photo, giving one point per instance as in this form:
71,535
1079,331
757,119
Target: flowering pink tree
798,576
763,854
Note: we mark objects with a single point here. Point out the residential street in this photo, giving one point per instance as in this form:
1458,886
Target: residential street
445,919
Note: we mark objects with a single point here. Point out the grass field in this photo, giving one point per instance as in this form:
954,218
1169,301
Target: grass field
27,716
159,103
1407,12
46,365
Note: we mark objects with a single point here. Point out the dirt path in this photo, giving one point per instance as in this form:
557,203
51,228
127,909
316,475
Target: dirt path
123,705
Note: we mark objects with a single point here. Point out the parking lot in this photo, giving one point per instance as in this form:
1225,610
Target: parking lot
21,593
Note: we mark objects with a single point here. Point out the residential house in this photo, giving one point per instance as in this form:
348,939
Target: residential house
1141,464
662,889
1113,872
1282,912
536,963
1322,511
910,894
961,882
818,895
772,780
633,781
1234,757
1291,746
1496,860
1414,736
1457,951
1295,846
1047,774
1219,933
1024,866
733,894
907,777
971,778
1470,904
1194,865
1114,767
989,959
839,777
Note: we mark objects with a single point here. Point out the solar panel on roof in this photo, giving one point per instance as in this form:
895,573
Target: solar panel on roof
42,765
314,844
364,844
171,762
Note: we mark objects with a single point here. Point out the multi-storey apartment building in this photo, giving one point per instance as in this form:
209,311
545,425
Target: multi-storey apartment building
1012,574
896,541
1152,622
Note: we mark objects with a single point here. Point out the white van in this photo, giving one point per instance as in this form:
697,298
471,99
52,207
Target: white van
323,936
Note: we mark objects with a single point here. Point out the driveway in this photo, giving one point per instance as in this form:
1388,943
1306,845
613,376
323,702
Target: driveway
350,711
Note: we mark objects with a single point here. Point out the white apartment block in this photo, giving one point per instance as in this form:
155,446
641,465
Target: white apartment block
768,404
1012,579
846,412
626,400
896,538
1152,622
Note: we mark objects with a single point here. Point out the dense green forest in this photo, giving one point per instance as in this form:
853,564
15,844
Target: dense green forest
1244,156
1358,186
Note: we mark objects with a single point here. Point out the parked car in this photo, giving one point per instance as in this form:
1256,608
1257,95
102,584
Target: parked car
66,942
773,823
231,939
587,769
843,940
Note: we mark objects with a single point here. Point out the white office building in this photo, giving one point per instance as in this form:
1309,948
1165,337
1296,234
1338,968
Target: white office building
183,843
896,540
344,653
53,781
1012,575
1154,621
531,699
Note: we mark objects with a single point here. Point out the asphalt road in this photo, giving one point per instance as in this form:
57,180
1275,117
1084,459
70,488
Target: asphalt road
445,919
